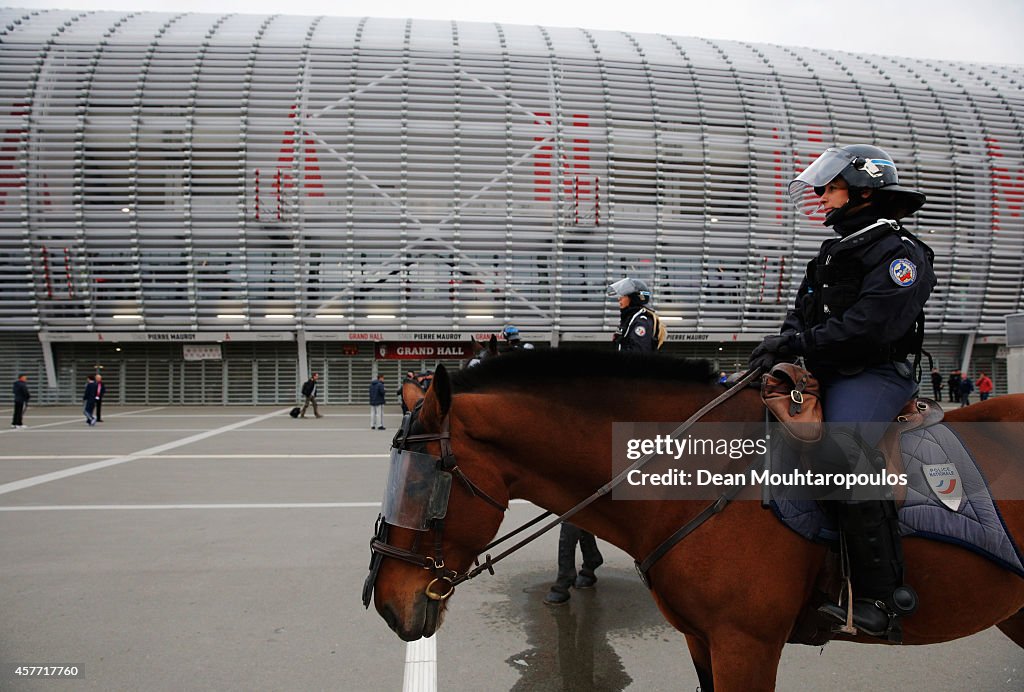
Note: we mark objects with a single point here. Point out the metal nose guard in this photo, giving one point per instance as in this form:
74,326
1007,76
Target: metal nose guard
417,490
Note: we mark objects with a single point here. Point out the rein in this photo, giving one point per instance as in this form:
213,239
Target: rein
489,562
435,563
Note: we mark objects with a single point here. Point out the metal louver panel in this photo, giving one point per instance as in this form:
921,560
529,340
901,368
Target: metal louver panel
191,171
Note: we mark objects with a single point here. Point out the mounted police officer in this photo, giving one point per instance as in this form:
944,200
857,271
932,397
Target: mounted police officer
859,315
638,323
513,340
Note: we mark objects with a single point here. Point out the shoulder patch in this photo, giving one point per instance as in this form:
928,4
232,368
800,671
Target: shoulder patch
640,330
903,272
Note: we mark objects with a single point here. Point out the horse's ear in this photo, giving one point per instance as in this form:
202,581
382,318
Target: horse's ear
439,396
477,346
492,345
411,394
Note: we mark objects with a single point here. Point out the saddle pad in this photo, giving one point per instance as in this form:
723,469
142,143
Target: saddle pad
975,525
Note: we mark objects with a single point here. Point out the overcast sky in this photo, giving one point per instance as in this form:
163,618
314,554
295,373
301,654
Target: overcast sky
971,30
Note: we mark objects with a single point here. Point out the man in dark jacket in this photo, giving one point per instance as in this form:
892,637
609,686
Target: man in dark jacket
954,386
89,400
378,397
309,393
21,397
936,384
966,387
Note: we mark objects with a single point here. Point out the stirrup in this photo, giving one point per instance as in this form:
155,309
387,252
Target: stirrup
903,603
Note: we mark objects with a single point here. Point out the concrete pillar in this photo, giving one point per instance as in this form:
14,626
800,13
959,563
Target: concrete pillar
966,353
48,363
300,344
1015,370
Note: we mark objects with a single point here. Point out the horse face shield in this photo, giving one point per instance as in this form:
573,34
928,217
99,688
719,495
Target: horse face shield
417,490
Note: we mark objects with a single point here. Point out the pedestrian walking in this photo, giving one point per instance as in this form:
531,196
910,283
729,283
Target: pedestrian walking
984,384
21,398
936,384
378,397
954,386
101,389
966,387
89,400
309,393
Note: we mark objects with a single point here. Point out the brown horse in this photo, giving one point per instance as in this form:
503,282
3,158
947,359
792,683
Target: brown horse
539,427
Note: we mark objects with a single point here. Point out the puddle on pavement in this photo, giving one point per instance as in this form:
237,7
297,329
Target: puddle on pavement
568,646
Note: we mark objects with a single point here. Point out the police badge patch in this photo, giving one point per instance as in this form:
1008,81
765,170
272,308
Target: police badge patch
903,272
640,330
944,482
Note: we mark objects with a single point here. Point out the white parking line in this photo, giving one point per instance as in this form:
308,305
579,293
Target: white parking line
85,468
141,410
64,420
421,666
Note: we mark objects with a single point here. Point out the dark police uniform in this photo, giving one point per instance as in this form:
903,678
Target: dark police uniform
636,330
859,314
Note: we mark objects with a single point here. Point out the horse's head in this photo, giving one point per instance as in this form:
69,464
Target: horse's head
437,516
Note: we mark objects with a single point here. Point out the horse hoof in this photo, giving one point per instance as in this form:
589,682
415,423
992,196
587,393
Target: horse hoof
585,581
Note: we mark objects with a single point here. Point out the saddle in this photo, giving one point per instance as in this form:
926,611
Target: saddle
917,413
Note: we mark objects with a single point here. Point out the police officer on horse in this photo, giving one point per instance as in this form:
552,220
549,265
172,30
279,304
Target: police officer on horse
858,316
638,323
513,340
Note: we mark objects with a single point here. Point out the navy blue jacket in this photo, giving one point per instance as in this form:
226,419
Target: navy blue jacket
378,393
636,331
21,393
862,296
90,392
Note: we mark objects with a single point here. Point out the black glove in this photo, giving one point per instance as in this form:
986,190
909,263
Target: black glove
773,349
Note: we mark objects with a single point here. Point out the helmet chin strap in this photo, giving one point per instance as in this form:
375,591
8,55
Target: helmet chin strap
837,215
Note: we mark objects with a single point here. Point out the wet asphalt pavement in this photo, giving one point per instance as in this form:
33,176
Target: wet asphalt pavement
174,559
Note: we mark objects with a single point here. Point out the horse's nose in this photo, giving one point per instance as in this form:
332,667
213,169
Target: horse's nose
389,616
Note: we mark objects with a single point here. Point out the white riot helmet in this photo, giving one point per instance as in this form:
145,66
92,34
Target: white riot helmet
636,289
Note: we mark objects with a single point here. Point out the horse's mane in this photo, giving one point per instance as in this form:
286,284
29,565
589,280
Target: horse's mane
546,367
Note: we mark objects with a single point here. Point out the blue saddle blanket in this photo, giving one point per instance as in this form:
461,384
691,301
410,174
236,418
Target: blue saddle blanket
966,516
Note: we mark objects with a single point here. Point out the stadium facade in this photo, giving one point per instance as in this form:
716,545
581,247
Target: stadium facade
206,206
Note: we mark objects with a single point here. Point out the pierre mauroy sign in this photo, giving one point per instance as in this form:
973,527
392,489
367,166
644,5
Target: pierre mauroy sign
418,350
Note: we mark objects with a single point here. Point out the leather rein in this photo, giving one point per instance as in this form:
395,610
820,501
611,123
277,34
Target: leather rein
435,563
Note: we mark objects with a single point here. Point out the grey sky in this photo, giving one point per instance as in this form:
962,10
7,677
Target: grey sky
970,30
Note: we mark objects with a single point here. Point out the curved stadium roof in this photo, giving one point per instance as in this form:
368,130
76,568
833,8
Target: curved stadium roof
186,171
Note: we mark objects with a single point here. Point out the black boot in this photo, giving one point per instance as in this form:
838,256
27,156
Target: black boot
876,560
568,536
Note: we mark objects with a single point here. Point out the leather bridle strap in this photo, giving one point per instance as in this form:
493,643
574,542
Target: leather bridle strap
686,529
489,562
448,464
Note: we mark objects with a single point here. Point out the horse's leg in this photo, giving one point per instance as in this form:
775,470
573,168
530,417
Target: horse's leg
701,656
745,663
1012,627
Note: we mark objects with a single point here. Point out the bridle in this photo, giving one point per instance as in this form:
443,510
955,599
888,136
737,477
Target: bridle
380,548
